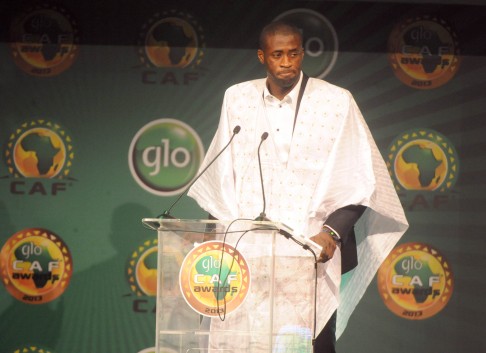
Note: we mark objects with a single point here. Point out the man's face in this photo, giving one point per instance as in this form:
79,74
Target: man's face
282,57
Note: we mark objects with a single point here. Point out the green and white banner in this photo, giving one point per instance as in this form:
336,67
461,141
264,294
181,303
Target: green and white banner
107,109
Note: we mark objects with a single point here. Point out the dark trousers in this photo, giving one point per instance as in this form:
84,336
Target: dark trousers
326,340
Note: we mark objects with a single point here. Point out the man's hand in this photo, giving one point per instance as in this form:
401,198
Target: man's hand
328,244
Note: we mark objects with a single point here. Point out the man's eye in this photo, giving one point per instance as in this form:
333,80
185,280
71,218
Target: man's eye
277,55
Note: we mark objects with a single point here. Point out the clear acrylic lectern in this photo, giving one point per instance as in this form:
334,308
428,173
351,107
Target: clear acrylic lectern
232,287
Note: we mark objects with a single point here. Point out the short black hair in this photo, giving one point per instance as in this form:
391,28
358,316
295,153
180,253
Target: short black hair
278,27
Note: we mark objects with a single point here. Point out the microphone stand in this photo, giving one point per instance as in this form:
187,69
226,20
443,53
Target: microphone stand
262,216
166,214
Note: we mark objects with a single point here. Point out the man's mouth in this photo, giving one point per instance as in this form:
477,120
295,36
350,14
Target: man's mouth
287,73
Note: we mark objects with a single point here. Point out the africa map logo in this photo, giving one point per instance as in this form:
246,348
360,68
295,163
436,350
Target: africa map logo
44,40
422,160
171,39
32,348
35,265
415,281
214,279
39,149
142,269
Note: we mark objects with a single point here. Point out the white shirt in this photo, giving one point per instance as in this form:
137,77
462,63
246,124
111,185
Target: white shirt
280,115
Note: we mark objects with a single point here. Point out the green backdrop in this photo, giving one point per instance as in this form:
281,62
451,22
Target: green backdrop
106,89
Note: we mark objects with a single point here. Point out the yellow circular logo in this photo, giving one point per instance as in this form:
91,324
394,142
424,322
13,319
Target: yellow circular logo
423,52
142,267
415,281
44,40
39,149
36,266
171,40
423,160
32,348
214,278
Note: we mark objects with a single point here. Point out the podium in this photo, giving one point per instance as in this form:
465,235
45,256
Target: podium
234,287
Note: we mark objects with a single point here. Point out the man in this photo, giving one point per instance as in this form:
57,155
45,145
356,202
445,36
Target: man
324,172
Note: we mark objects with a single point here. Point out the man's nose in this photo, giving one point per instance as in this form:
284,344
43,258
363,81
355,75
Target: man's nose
285,62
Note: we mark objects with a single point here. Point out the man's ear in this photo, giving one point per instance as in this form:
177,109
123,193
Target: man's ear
261,56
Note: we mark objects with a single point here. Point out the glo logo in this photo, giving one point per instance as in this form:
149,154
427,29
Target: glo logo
35,266
415,281
424,51
214,279
164,156
320,40
44,40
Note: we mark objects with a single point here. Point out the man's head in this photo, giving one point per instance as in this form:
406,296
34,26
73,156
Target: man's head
281,52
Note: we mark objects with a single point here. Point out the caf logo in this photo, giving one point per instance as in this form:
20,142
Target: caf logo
142,269
423,52
32,348
415,281
39,149
35,266
320,40
171,40
214,279
422,160
44,40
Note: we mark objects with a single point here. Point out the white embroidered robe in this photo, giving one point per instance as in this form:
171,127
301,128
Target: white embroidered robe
333,162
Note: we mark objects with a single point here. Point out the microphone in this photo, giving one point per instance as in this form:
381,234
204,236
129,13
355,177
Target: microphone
166,214
262,216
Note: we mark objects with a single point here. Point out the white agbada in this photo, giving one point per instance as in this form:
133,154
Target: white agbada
333,162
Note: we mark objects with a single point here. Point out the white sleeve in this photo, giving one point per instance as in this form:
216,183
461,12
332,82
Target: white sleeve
215,189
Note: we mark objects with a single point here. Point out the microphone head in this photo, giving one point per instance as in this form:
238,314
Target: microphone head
166,215
264,135
236,129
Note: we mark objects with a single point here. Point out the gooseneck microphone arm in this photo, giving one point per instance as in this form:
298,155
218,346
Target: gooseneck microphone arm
166,214
262,216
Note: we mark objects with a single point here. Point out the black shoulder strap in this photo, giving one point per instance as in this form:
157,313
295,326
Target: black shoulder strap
305,78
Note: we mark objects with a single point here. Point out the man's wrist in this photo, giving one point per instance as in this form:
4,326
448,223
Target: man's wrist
335,235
